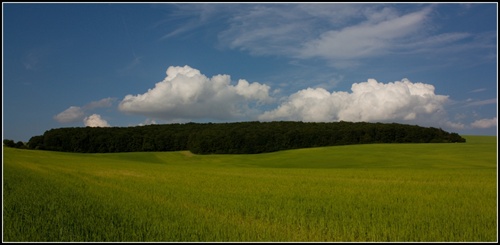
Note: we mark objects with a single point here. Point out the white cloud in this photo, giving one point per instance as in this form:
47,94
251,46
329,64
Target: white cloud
378,35
340,33
477,90
76,113
148,121
72,114
193,16
454,125
95,120
282,29
485,123
438,43
106,102
187,94
481,102
343,34
265,29
369,101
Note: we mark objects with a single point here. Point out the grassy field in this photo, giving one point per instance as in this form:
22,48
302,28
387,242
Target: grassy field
376,192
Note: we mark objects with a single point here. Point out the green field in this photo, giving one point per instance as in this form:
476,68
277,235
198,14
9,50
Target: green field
375,192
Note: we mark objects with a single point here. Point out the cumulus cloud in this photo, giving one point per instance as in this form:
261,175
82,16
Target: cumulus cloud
185,93
148,121
369,101
485,123
77,113
72,114
95,120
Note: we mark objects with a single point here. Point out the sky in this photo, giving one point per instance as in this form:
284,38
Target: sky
120,65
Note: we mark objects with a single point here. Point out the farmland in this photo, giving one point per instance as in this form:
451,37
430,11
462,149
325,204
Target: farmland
372,192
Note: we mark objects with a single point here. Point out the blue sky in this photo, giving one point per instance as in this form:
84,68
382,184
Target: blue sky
75,65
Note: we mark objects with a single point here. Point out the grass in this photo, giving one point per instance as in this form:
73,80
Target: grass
376,192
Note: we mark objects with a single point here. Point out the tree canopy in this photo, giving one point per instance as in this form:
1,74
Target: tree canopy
234,138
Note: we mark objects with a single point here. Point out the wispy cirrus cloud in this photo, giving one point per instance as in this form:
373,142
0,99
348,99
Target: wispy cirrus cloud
482,102
477,90
342,34
192,17
375,36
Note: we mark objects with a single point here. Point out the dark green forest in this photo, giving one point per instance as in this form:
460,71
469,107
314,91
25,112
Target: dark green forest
234,138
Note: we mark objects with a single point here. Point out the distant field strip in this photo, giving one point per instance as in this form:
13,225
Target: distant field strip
375,192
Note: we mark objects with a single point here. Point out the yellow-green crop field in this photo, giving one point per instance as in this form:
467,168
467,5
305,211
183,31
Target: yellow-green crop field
374,192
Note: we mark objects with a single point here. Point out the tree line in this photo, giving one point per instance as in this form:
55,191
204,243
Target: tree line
234,138
11,143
